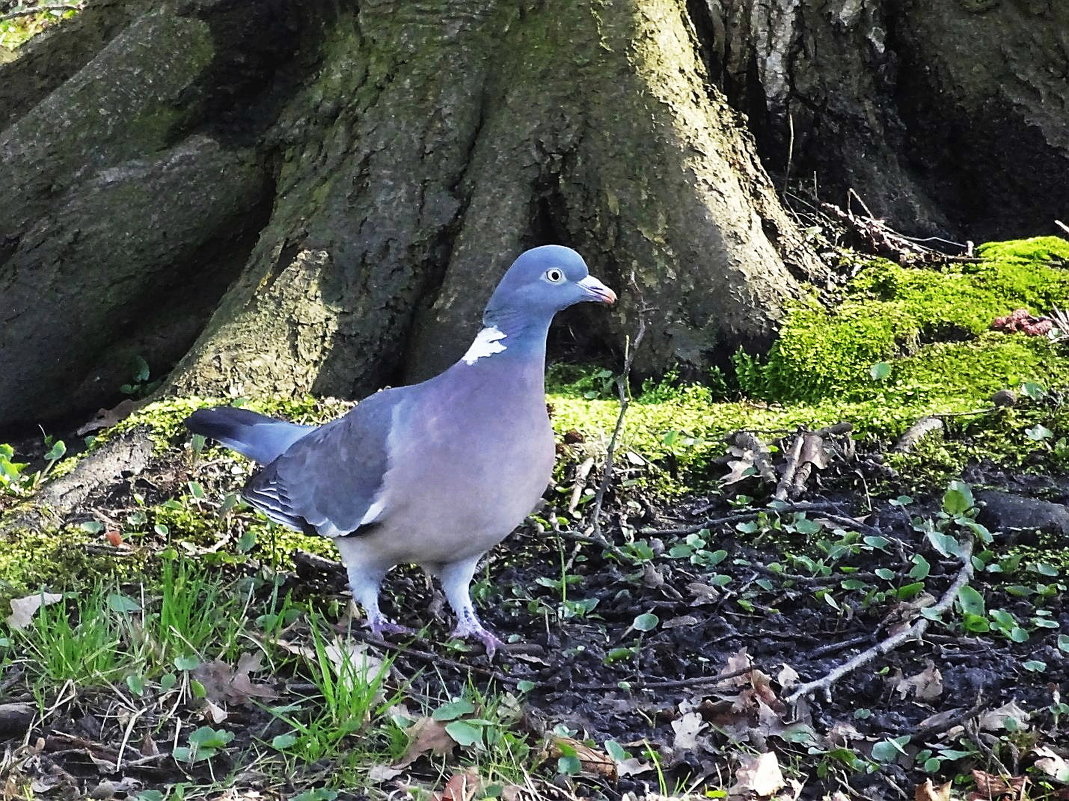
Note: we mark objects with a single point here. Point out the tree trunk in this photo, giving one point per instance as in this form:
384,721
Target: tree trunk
319,196
947,118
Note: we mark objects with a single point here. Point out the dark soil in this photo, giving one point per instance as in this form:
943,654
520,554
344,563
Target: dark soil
705,687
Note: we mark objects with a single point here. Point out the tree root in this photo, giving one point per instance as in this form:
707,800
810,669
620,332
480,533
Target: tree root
913,632
125,455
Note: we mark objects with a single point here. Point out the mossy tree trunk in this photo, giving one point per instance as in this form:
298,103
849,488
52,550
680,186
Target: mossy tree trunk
291,196
947,118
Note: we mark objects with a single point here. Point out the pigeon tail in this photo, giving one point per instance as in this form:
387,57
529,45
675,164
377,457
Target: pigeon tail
263,439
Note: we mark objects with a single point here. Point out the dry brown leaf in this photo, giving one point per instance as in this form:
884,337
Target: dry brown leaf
686,731
929,792
680,622
23,609
740,469
383,773
593,761
1052,764
762,689
926,685
996,718
461,786
787,677
224,684
990,786
736,662
426,735
215,713
758,775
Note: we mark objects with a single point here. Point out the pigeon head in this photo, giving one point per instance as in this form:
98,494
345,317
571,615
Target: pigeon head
541,282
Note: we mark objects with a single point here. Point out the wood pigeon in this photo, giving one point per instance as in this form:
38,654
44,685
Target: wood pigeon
435,473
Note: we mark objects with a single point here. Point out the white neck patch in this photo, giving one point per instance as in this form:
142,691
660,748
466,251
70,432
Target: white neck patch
487,343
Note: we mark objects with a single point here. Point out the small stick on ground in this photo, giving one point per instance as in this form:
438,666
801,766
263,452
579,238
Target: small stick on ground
623,388
582,475
913,632
789,468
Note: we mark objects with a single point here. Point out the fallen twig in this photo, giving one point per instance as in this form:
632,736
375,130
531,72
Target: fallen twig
672,684
915,631
789,469
582,475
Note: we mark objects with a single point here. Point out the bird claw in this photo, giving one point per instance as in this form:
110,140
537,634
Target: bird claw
382,626
490,642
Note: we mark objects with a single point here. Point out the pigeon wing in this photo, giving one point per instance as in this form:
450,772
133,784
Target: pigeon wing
330,481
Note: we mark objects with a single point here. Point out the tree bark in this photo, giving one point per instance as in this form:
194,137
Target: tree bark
946,118
319,196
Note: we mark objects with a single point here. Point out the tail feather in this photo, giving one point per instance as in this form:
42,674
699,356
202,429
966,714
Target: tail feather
263,439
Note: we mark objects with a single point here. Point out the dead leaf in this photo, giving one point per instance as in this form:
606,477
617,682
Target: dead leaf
679,622
1052,764
632,766
593,761
929,792
737,662
383,773
926,685
224,684
461,786
426,735
990,786
787,677
352,660
758,775
686,731
996,719
23,609
216,714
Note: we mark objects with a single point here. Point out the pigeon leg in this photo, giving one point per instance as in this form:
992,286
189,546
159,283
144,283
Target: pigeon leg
364,583
456,582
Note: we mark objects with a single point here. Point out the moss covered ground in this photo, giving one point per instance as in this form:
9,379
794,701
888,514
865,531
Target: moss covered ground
902,343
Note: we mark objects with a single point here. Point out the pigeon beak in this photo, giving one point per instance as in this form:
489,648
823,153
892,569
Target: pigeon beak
595,290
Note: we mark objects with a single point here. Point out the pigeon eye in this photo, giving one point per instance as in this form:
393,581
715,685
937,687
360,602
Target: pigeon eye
554,276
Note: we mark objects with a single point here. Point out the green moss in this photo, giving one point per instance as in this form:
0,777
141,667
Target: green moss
164,419
1042,249
33,561
820,372
907,314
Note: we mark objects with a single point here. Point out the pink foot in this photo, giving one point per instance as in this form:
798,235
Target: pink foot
380,626
487,638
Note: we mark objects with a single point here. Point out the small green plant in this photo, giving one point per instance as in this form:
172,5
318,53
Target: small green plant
204,743
80,643
349,695
15,480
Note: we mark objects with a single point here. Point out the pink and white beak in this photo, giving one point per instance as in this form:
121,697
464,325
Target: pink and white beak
596,290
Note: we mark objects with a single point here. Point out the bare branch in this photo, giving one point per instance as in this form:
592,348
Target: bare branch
913,632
